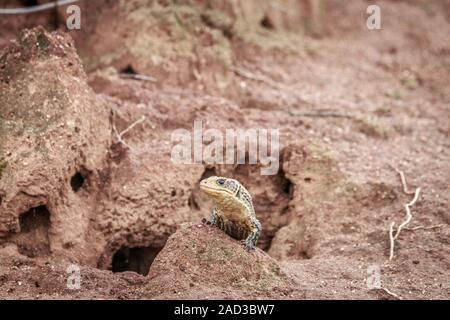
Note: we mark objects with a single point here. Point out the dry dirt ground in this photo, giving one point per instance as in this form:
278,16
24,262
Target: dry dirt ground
86,176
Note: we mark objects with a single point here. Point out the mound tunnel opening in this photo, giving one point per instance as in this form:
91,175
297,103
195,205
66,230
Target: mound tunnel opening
33,239
77,181
29,3
136,259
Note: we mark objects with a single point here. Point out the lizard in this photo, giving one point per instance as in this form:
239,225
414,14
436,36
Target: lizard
233,212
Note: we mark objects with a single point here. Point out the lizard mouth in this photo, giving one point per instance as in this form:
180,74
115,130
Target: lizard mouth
207,188
211,190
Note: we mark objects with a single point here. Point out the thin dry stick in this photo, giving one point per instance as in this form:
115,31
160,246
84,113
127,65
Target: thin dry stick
404,223
319,114
408,212
403,180
136,76
245,73
391,293
118,136
132,126
36,8
408,218
426,228
391,240
257,77
121,134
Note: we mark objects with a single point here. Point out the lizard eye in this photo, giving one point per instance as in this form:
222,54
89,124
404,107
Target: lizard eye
221,182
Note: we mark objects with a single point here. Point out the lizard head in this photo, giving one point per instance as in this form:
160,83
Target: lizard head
218,187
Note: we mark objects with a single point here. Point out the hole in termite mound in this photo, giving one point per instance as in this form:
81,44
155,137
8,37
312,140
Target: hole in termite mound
50,23
192,202
128,70
285,184
136,259
209,172
33,239
197,199
267,23
29,3
77,181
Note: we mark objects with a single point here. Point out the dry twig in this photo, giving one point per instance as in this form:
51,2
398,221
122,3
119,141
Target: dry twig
391,240
245,73
36,8
408,218
319,114
136,76
389,292
122,133
403,180
426,228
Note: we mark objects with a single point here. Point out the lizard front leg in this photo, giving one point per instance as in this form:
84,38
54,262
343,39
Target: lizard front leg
213,219
252,238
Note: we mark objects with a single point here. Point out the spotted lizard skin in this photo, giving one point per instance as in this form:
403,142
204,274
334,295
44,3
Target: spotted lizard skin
233,212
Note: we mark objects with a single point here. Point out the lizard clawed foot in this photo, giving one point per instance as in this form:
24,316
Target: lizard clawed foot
205,221
249,246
